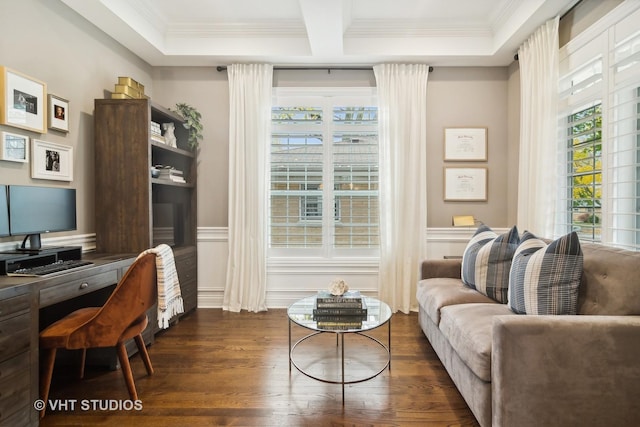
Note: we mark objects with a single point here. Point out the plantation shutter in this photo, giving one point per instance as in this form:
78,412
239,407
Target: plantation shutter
323,197
623,160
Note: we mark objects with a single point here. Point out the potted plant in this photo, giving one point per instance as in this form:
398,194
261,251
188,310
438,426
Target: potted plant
192,119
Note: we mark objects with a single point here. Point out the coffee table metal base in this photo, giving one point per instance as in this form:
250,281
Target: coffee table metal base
340,342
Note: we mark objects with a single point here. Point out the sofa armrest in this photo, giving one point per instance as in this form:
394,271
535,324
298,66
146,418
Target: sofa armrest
565,370
441,268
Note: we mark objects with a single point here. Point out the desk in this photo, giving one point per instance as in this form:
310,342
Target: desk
21,299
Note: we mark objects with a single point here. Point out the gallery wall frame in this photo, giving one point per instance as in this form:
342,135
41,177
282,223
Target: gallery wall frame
462,184
465,144
58,113
23,104
51,161
14,147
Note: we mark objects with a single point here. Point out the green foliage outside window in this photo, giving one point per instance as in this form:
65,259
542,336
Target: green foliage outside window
585,170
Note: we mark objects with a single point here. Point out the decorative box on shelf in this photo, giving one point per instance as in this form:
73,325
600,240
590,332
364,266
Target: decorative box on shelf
128,88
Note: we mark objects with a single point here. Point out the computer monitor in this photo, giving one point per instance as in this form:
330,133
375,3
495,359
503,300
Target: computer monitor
4,212
35,210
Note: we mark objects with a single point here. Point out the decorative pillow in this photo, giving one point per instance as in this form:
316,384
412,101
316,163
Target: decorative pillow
544,279
487,260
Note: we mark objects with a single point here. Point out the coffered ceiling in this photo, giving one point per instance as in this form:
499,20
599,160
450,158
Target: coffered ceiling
321,32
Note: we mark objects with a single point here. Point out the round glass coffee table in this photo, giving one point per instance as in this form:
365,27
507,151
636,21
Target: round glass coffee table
378,314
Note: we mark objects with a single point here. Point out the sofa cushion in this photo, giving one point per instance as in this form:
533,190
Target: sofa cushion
609,283
433,294
468,327
545,278
487,260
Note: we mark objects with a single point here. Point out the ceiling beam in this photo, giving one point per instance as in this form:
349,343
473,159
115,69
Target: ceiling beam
325,22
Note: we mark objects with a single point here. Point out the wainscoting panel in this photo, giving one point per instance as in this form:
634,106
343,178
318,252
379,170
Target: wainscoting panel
291,279
87,241
212,265
287,279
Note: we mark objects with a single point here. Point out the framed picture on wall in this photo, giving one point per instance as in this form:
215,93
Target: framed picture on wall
58,113
51,161
15,147
465,184
465,144
23,101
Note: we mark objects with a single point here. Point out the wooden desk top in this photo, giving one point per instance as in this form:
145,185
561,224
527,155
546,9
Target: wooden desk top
108,268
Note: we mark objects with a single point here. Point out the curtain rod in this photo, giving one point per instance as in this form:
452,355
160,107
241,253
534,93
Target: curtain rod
224,68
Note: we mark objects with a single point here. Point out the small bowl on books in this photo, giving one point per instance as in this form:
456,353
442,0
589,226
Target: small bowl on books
154,172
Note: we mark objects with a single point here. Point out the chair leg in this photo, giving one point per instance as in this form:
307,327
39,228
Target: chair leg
45,379
83,359
144,354
126,370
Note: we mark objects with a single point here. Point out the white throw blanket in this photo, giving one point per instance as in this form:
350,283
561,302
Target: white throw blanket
169,296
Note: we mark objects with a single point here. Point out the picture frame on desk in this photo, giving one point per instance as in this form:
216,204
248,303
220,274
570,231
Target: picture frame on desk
51,161
23,104
58,113
14,147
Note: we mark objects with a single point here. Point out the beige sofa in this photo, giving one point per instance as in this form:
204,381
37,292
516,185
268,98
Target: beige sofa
530,370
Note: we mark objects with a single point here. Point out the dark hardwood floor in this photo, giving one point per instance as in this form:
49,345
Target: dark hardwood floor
221,368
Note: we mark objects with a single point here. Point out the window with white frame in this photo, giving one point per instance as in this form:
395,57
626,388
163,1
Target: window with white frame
600,145
323,196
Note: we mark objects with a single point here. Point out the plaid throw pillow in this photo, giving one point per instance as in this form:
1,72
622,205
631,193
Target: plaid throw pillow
487,260
545,278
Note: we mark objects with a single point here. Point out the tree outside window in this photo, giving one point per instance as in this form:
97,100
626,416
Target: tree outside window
585,172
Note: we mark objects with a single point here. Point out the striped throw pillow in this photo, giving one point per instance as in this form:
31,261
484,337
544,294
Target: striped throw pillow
486,262
544,279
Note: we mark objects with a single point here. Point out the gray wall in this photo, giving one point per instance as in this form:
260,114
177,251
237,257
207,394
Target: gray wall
582,16
207,90
469,97
44,39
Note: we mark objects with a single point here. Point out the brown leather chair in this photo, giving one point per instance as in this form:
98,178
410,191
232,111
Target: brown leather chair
121,318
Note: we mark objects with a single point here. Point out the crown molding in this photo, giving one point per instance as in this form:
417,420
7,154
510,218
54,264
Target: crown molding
401,28
277,29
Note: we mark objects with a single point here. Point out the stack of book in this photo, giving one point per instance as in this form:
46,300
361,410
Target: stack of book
156,133
342,312
169,173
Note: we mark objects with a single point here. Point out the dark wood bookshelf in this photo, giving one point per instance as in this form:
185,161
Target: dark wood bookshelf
133,210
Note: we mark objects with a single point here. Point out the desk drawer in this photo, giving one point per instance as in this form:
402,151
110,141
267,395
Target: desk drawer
75,288
14,388
14,335
13,305
16,365
20,418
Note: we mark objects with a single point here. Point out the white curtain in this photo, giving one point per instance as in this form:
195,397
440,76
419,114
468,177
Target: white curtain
537,180
402,104
250,87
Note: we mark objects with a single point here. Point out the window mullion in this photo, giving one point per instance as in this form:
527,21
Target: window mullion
328,194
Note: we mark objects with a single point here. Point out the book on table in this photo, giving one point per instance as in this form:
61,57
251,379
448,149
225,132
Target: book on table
339,322
339,326
348,299
349,304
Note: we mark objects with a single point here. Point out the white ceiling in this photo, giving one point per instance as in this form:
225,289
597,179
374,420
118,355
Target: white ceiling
321,32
